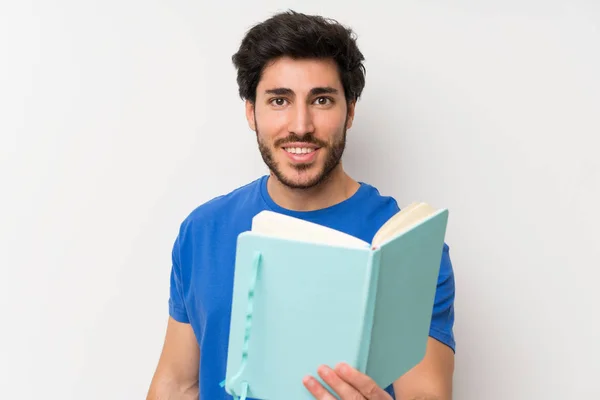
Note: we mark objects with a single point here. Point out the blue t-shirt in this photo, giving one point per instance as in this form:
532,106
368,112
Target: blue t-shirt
204,258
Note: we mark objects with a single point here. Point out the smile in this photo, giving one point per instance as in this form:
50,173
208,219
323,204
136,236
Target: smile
301,154
299,150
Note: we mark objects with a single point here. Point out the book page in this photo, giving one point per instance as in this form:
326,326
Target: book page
283,226
402,221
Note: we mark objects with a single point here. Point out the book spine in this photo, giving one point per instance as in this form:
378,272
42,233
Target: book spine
369,295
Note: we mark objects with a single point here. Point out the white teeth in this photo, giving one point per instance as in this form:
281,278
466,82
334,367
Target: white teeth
299,150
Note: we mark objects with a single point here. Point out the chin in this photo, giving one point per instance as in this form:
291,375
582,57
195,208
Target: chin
301,177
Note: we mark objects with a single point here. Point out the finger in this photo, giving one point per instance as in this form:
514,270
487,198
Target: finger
361,382
316,389
342,388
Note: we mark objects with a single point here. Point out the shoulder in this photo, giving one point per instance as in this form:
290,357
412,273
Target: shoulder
383,206
379,204
375,194
219,209
363,214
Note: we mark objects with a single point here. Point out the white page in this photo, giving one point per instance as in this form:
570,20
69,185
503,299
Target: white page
270,223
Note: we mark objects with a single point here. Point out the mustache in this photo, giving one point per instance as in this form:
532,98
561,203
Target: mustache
293,138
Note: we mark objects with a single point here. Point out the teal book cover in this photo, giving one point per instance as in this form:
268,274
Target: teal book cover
306,295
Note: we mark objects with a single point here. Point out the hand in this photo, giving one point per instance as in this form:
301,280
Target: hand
347,382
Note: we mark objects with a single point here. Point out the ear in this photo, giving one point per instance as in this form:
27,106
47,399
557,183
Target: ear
350,117
250,115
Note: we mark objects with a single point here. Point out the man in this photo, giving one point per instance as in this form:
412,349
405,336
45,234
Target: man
300,77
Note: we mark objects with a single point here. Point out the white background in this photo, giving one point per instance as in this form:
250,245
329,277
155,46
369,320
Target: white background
117,118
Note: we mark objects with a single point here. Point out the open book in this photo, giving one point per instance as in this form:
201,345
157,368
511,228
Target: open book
283,226
306,295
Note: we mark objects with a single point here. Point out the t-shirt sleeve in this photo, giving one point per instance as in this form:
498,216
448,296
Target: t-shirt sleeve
442,320
177,308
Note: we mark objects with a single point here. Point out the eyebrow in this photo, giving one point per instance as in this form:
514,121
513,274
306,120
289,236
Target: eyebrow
314,91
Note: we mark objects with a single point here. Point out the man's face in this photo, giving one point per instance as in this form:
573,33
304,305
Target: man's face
300,117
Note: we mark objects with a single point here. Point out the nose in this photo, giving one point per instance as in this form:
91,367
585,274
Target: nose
301,120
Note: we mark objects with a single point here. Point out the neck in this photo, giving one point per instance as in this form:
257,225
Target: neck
338,187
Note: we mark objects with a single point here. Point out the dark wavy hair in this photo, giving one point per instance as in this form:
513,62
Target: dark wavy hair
299,36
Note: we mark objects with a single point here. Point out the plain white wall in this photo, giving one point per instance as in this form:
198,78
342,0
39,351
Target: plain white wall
119,117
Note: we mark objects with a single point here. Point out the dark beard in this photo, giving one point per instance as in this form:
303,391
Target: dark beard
334,155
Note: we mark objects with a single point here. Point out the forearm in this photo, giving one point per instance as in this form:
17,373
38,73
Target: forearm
169,390
422,393
426,397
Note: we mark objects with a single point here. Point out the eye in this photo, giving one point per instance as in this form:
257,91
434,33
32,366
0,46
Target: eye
323,101
278,101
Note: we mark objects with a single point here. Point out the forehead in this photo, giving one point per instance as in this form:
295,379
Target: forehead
300,75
